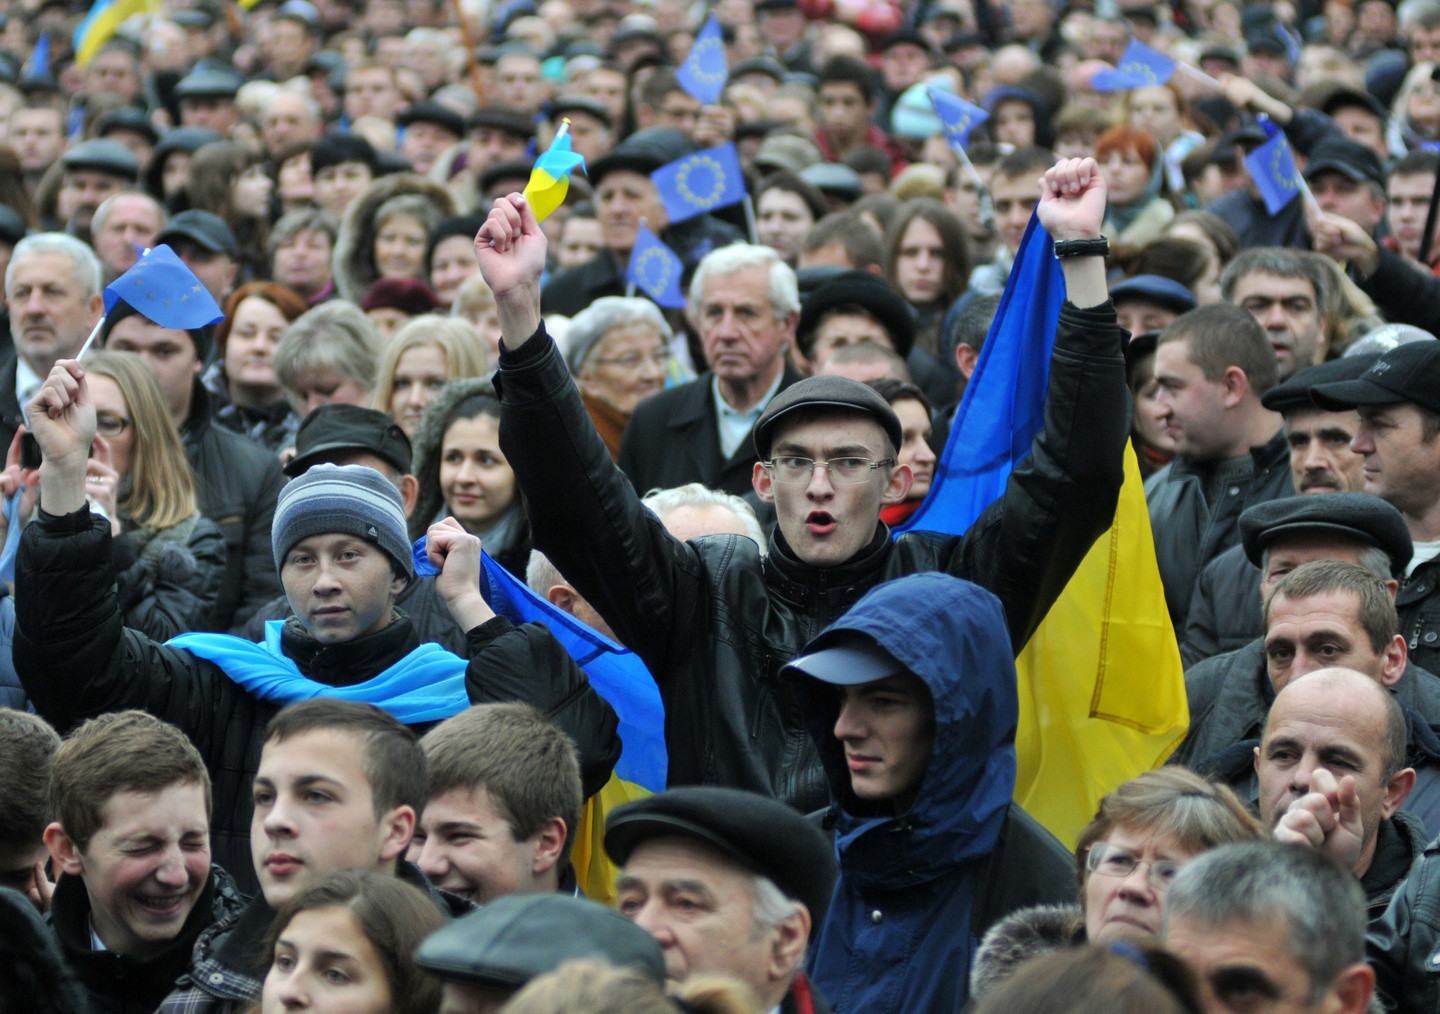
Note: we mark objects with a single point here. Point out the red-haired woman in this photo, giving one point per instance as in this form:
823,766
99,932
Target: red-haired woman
1137,213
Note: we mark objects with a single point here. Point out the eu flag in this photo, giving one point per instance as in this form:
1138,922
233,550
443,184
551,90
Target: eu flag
957,117
655,269
1272,167
704,72
163,289
1140,67
997,419
700,182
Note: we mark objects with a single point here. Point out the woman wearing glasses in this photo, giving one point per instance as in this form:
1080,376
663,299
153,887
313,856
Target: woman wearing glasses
619,353
1144,832
169,558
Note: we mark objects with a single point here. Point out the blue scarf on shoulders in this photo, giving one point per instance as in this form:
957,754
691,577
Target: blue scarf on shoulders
427,685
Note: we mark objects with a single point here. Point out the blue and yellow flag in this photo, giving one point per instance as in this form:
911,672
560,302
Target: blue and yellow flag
550,179
101,23
1102,691
957,117
1272,167
163,289
655,269
1140,67
704,72
700,182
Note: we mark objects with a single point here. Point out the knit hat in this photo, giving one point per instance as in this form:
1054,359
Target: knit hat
345,499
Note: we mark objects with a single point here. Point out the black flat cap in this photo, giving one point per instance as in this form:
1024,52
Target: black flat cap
1349,158
103,155
903,37
335,149
433,112
1156,289
569,105
507,121
208,83
1409,372
835,179
127,118
839,393
776,5
767,65
1353,515
1345,97
642,152
1295,393
759,833
210,231
333,428
517,937
866,290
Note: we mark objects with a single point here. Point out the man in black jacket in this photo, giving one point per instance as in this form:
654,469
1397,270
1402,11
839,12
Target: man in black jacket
236,479
339,539
713,620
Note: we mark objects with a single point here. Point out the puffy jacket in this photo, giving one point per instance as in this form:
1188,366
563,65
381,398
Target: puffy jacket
76,660
1403,945
1230,696
1418,603
237,482
118,983
1225,609
902,923
168,583
714,620
1189,533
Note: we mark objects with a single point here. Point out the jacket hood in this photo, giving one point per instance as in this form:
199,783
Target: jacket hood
951,634
355,245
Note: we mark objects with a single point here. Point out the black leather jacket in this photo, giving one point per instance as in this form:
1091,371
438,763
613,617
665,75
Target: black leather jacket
1418,603
715,621
1403,945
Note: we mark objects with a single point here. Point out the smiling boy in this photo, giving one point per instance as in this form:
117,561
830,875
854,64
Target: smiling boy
131,846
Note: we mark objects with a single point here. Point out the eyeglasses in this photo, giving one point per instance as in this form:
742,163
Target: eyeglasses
1114,861
842,471
110,425
632,360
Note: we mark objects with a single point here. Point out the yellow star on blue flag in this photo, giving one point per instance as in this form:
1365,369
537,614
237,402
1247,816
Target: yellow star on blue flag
704,72
163,289
700,182
957,117
1272,167
655,269
1140,66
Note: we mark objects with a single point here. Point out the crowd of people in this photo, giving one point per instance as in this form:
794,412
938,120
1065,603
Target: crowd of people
271,740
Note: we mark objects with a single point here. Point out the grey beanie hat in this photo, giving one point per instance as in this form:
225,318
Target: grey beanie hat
347,499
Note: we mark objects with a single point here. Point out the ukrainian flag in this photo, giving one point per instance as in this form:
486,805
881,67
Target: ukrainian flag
100,24
1102,690
550,179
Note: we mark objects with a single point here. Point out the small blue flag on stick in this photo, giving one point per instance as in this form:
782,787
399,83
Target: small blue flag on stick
655,269
1140,67
957,117
700,182
1272,167
704,72
163,289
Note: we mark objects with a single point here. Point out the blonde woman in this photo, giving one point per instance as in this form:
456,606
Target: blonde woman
426,354
168,557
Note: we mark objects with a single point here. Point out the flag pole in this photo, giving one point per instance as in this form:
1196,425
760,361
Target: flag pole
982,192
750,218
94,333
1199,75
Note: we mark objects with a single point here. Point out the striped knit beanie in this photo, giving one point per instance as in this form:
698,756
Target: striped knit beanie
345,499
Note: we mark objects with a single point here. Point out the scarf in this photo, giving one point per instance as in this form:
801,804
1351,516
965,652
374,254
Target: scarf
427,685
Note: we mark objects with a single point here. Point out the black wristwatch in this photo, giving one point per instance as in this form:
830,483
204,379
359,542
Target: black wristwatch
1067,248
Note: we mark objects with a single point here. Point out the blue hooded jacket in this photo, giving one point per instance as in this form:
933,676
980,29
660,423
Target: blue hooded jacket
897,937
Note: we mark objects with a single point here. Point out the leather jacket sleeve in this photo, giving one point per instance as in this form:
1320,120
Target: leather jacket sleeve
527,663
649,586
1402,291
1400,943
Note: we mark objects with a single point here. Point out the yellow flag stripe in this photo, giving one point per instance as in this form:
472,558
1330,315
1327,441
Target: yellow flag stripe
104,26
545,193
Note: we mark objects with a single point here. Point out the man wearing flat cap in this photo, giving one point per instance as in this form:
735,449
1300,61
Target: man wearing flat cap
1225,609
911,699
728,883
1149,302
207,99
1398,399
91,172
712,618
1230,693
430,130
484,958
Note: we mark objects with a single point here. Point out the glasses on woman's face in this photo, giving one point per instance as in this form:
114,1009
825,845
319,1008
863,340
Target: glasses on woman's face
110,425
1115,861
632,360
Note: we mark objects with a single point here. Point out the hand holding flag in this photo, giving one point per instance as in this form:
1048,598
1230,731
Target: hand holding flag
704,72
550,179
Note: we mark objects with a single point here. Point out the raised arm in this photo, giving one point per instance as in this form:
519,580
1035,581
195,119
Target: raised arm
511,249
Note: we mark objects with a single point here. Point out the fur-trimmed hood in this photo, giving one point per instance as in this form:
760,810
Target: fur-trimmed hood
1020,936
426,456
354,259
